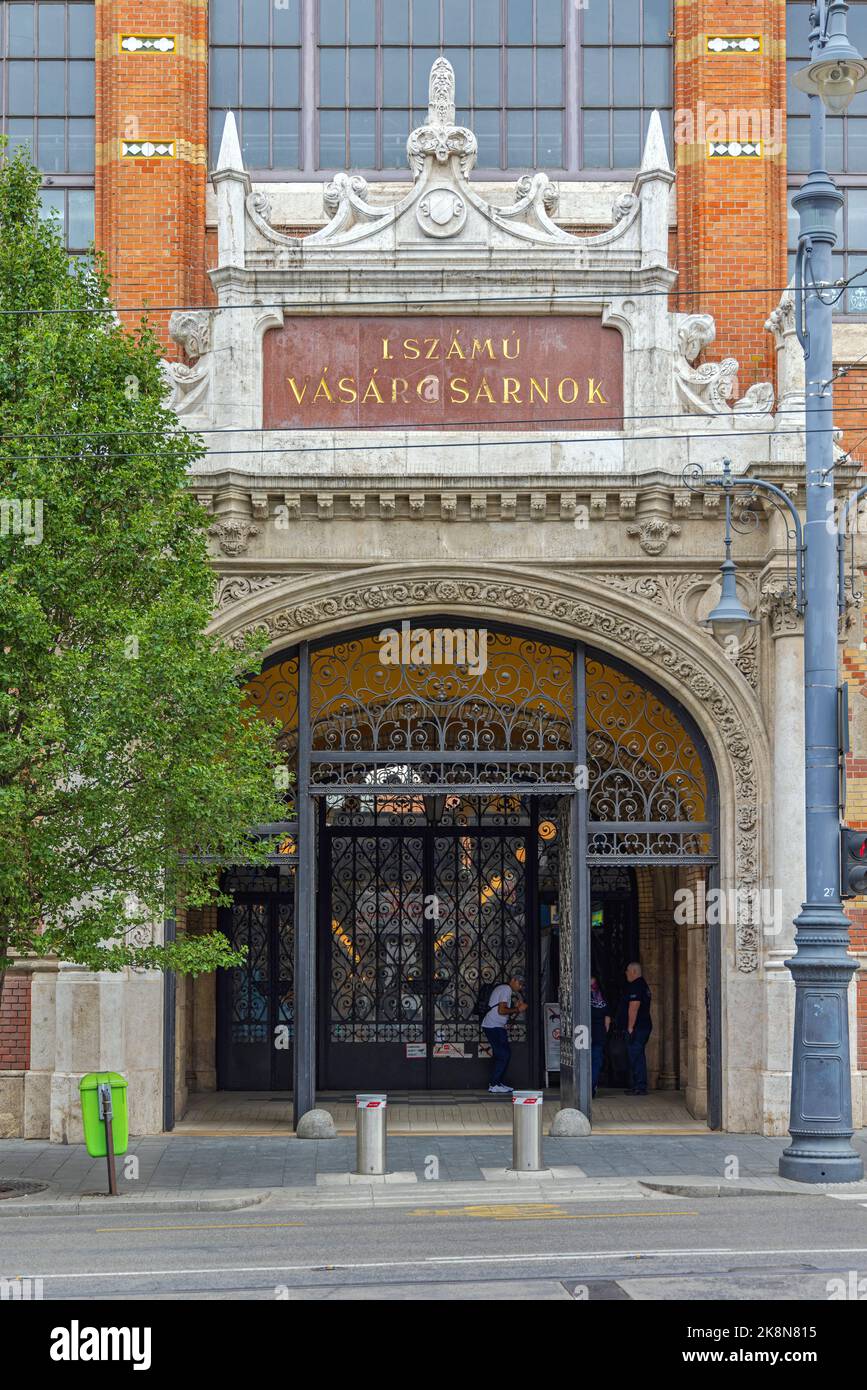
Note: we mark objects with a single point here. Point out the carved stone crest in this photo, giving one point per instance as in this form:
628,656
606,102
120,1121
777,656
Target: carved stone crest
653,534
441,213
234,534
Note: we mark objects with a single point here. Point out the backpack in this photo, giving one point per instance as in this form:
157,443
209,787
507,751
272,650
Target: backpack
483,1002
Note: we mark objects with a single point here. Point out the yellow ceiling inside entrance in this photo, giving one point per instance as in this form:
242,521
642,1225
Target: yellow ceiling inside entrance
509,692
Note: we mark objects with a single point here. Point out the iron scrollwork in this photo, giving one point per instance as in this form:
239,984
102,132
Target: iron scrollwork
422,725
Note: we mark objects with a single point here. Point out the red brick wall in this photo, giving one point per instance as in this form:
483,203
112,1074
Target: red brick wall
150,213
850,401
731,212
15,1022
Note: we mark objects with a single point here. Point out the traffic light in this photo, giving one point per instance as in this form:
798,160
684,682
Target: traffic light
853,862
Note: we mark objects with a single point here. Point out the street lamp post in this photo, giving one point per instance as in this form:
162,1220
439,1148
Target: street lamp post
820,1121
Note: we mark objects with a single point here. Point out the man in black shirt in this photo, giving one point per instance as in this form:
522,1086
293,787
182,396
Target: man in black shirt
634,1017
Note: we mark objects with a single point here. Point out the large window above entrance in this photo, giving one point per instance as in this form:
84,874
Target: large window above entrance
374,60
327,85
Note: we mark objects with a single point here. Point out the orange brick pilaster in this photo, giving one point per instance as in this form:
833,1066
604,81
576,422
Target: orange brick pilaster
731,207
151,150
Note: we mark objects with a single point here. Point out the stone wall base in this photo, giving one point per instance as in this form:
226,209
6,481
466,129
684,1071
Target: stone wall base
776,1089
144,1098
12,1104
696,1101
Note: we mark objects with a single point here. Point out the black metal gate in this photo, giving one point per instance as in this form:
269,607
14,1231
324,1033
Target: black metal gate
425,714
414,921
255,1003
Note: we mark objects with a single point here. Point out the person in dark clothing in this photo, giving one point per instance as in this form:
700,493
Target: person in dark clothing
600,1022
633,1016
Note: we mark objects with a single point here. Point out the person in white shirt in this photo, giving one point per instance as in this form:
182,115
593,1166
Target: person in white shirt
495,1026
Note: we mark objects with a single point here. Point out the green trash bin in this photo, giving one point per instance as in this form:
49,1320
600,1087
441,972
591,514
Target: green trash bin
94,1127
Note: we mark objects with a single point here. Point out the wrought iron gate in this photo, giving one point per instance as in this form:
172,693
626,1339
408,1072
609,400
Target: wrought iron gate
256,1001
539,717
414,921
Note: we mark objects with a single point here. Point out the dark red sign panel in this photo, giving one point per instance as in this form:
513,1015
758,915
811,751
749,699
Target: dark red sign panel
510,373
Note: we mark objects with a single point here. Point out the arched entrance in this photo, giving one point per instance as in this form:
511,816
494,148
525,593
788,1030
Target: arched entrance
466,796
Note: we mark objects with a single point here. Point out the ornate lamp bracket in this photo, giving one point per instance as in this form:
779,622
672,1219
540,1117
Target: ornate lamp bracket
695,478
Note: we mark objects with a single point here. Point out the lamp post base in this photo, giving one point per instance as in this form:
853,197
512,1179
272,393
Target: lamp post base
817,1163
820,1116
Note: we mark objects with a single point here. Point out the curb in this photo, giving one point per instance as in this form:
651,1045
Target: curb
782,1187
145,1206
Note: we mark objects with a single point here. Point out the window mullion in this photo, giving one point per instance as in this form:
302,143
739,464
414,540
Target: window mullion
308,104
377,85
504,88
574,34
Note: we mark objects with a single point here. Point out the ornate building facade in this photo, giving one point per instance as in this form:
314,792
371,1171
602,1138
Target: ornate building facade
465,432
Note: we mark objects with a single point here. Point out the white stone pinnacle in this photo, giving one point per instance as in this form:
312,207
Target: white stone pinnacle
230,156
655,153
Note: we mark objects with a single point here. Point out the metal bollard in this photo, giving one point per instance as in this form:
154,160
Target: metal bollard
370,1131
527,1131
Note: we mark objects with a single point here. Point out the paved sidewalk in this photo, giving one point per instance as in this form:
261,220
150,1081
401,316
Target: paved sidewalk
257,1114
174,1170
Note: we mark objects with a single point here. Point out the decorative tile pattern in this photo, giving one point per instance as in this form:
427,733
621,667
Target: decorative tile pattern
718,44
734,149
148,43
147,149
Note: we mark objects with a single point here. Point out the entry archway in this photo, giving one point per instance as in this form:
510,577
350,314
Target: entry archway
621,765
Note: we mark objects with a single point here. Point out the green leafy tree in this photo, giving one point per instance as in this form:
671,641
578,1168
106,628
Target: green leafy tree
129,768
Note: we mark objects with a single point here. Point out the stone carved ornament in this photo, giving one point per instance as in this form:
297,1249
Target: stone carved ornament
233,534
441,156
671,666
653,534
710,388
237,588
189,385
680,594
440,136
777,603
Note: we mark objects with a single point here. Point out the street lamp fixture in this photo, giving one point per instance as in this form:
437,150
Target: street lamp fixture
837,70
729,620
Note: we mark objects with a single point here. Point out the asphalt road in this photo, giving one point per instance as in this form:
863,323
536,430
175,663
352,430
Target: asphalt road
741,1248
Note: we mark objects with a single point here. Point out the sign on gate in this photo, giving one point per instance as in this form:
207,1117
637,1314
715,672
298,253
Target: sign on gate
552,1037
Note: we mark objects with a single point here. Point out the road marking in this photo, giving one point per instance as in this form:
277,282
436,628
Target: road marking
227,1226
539,1212
517,1257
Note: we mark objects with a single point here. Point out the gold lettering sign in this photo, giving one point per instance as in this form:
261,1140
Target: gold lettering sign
459,372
